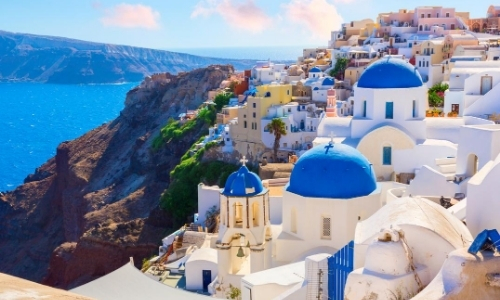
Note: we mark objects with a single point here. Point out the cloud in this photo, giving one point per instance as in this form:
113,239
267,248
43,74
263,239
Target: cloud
243,15
131,16
318,16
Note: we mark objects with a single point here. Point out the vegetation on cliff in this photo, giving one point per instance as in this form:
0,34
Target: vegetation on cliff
181,197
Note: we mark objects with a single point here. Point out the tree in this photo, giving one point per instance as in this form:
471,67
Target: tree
276,127
222,99
339,69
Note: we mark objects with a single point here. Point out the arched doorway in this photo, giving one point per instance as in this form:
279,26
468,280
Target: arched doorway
476,27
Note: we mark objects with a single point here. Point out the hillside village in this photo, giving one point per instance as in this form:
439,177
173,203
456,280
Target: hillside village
385,146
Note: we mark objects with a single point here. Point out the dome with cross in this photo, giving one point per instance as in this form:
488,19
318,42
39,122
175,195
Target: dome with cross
243,183
334,171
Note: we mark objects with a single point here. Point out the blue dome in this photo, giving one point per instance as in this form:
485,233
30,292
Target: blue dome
390,73
332,171
243,183
328,81
315,70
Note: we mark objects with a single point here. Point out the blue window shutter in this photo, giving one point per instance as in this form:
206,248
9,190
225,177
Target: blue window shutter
387,156
389,110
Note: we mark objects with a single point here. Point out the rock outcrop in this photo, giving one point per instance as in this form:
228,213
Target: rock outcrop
28,57
95,204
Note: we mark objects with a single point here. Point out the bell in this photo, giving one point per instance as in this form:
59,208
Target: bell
240,252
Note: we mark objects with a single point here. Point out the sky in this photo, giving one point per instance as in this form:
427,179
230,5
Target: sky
174,24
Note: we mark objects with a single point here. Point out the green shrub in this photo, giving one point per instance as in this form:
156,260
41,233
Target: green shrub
436,94
181,197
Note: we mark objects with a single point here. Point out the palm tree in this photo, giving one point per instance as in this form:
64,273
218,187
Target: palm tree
276,127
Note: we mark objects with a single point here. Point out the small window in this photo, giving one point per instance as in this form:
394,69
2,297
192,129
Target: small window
255,126
289,109
288,92
422,16
447,15
254,115
414,109
419,64
326,227
364,109
428,15
284,145
245,124
254,105
244,116
387,156
227,140
389,110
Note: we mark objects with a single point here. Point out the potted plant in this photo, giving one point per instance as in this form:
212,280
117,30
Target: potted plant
428,113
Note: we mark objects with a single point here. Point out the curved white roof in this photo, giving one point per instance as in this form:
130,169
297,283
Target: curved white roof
417,212
129,283
203,254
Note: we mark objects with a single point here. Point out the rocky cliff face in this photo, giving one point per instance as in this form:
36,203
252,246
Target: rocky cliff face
27,57
95,204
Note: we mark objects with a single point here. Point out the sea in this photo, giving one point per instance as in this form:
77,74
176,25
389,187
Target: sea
35,118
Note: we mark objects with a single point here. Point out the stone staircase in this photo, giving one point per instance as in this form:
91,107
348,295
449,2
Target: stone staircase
447,166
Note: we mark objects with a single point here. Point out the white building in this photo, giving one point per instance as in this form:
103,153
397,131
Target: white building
301,122
266,72
201,269
473,87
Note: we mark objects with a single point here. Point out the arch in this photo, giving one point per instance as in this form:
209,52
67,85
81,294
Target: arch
256,214
373,143
238,217
420,28
293,220
476,27
472,164
485,26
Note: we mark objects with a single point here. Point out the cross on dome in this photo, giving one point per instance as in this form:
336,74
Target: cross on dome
243,160
328,147
332,135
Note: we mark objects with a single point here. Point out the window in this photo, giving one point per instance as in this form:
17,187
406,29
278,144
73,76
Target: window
414,109
486,84
288,92
284,145
289,109
293,220
422,16
254,115
364,109
447,15
326,232
227,139
389,110
244,116
255,214
437,15
254,105
244,124
387,156
255,126
428,15
419,64
427,63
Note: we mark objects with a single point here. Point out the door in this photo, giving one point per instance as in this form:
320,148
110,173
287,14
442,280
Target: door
486,84
455,108
207,278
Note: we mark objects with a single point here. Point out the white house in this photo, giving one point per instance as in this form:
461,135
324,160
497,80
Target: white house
201,269
301,122
265,72
472,88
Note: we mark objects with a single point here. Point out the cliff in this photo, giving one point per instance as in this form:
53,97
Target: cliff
87,210
27,57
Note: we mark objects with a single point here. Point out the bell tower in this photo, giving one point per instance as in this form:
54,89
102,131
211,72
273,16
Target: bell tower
244,241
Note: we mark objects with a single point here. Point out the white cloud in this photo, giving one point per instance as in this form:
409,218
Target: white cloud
131,16
320,17
244,15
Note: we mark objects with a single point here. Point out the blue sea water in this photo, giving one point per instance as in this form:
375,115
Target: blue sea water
258,53
35,118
